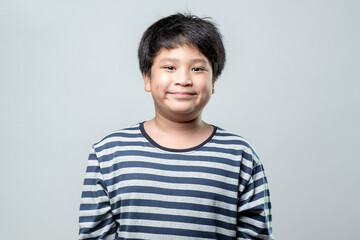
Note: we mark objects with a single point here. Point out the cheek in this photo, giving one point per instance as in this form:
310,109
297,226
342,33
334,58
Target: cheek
206,90
160,81
207,87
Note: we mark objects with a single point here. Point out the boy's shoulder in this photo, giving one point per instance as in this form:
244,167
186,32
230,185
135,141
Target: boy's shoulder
235,141
131,133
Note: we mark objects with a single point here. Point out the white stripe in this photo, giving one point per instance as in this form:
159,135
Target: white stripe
174,162
254,234
178,212
171,186
175,199
95,212
97,200
153,236
165,173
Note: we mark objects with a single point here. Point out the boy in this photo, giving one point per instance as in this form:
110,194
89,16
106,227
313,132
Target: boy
176,176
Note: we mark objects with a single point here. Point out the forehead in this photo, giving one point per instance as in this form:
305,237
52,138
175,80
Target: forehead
181,53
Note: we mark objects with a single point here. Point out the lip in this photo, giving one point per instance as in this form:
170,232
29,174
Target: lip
182,94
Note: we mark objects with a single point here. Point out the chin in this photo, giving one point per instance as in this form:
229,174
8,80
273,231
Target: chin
185,115
182,111
183,118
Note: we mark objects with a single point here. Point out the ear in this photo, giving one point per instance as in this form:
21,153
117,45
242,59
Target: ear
213,86
147,82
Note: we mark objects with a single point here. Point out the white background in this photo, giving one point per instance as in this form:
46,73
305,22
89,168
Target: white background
69,76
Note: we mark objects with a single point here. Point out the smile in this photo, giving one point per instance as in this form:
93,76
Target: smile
182,94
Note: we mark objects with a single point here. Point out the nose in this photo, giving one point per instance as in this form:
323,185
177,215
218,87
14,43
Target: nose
183,78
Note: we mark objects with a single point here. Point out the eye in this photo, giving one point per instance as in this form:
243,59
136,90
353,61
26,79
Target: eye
197,69
170,68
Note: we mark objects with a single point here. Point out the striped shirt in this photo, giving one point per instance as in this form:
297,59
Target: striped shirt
137,189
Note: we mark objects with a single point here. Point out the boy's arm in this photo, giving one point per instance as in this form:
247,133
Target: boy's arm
254,207
96,220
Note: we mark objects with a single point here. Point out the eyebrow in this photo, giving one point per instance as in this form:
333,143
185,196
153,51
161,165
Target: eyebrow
196,60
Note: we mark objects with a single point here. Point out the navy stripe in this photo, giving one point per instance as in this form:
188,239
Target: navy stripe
93,194
94,181
90,181
92,156
94,169
89,206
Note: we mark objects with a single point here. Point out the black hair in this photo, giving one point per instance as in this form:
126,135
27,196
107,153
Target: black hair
177,30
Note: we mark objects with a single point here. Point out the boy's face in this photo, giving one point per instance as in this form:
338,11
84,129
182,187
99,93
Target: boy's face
181,83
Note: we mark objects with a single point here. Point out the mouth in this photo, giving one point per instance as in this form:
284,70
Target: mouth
180,93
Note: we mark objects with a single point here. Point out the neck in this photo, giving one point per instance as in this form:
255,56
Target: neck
178,134
167,125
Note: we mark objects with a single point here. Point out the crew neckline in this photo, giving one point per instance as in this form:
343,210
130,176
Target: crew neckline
152,141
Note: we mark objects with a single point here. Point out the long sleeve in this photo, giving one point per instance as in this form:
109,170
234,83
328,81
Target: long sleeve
95,220
254,207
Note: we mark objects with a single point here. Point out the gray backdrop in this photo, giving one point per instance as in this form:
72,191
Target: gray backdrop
69,76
